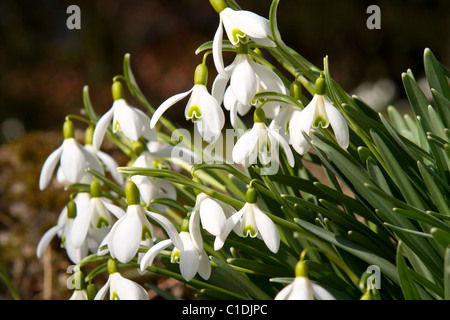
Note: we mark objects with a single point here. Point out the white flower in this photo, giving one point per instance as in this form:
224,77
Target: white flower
251,221
151,188
303,289
240,26
191,259
319,112
64,230
212,214
125,237
93,221
73,158
127,119
109,162
202,108
79,295
120,288
260,142
246,78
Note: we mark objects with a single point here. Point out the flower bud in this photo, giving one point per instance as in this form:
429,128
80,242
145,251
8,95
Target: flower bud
132,193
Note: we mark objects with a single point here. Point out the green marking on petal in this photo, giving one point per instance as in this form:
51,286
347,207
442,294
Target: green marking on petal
320,121
116,126
102,222
146,233
249,230
175,256
238,36
194,113
115,296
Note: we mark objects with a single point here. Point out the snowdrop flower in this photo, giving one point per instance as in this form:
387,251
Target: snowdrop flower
127,119
202,108
79,286
319,112
240,26
192,260
73,159
251,221
302,288
119,287
94,219
125,237
64,230
246,78
211,214
256,142
152,188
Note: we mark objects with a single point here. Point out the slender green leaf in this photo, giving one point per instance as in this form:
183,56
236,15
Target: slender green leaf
407,284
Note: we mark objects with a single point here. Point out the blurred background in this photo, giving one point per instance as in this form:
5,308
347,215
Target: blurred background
44,66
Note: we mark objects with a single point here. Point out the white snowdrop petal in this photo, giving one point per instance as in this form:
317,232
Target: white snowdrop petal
339,124
204,268
267,229
129,290
73,161
217,48
243,80
166,105
150,255
245,146
103,290
46,238
127,235
168,227
212,217
321,293
249,23
101,127
284,293
49,167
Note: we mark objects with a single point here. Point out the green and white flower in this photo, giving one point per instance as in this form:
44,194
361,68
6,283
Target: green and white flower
120,288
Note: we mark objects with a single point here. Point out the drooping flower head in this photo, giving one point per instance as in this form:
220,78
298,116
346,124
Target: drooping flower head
251,221
119,287
246,78
302,288
318,113
130,230
191,259
261,143
73,158
202,108
240,27
127,119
